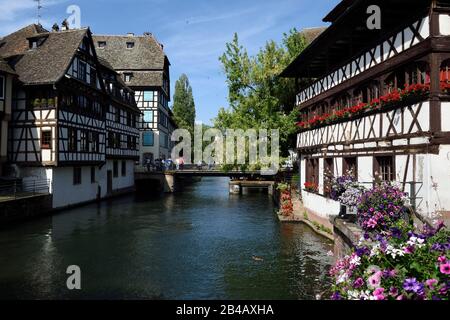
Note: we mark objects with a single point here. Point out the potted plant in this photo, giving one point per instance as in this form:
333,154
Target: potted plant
51,102
36,103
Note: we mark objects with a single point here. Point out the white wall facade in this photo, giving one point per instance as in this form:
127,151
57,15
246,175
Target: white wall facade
66,194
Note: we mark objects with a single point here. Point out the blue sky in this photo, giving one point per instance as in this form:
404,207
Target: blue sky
194,32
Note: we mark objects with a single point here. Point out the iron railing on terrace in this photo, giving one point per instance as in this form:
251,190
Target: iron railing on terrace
16,189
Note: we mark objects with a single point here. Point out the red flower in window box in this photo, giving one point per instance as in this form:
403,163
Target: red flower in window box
311,187
445,86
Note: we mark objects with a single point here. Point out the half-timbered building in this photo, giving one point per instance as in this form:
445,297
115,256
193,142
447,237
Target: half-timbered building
58,129
7,75
122,133
375,104
144,67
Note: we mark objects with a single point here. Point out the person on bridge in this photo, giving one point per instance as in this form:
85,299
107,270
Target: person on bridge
181,163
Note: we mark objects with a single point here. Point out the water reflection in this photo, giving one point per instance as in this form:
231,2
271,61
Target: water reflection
196,245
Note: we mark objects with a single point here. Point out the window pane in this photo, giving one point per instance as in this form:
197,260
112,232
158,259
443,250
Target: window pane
148,116
148,96
148,139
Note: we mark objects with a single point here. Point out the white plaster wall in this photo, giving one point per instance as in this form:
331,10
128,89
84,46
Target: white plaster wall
445,115
438,180
338,165
444,24
66,194
321,206
120,182
365,169
321,175
302,171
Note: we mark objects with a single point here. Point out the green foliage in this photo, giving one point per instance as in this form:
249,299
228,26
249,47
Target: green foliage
258,98
183,104
283,187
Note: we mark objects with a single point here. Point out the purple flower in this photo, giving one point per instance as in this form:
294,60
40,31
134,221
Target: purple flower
362,251
409,250
437,247
393,292
358,283
389,274
396,233
412,285
336,296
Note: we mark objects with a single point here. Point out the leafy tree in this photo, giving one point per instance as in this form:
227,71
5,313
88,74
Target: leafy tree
183,104
258,97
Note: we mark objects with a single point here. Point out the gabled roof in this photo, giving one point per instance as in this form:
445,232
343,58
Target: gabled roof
4,67
147,53
16,43
49,62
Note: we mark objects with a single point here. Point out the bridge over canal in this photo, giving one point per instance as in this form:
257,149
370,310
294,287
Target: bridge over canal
169,180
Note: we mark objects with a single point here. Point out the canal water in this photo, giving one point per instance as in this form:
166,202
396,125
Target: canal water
199,244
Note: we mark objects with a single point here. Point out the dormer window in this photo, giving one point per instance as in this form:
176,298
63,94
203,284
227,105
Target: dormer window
127,77
130,45
36,42
33,44
102,44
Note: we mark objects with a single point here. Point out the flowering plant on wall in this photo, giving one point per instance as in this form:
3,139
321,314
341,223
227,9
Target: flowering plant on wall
396,264
394,96
381,206
351,197
311,187
286,205
340,184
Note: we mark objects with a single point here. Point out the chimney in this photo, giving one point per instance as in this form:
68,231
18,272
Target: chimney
147,34
65,25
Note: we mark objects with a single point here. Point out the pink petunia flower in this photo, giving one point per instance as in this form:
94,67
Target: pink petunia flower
431,282
375,280
445,268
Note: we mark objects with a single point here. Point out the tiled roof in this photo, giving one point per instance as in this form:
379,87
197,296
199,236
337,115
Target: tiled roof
16,43
147,53
4,67
146,79
49,62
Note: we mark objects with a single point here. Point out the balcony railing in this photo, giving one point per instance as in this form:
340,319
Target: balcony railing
17,189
